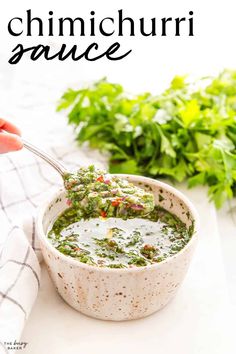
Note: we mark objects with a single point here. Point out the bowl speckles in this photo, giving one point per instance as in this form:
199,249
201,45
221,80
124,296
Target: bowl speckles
119,294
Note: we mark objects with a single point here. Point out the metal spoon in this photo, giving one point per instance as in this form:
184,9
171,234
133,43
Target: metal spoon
53,162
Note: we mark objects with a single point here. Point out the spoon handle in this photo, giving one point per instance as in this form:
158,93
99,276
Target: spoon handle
53,162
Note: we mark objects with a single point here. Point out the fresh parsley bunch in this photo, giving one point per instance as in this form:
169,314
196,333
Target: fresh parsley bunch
187,132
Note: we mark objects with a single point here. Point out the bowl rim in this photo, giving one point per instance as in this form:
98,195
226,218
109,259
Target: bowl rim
56,194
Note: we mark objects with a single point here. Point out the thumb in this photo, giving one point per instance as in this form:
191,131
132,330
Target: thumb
9,142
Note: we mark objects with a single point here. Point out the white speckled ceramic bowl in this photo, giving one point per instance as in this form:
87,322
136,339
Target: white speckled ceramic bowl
119,294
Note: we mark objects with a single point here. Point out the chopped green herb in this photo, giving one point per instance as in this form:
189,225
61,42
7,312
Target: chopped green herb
128,243
95,193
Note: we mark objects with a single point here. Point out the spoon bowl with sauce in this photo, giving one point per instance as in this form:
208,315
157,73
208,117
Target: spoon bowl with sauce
96,193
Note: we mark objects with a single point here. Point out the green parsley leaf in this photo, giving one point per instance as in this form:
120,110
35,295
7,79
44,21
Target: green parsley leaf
186,132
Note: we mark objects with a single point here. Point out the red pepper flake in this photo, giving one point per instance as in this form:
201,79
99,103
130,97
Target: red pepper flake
68,202
100,179
116,202
77,249
103,214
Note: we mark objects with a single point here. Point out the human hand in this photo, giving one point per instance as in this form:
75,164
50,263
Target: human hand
9,137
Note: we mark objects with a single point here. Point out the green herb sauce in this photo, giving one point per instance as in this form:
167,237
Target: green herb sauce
96,193
118,243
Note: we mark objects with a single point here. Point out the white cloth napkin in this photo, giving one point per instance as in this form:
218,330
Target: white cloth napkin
24,182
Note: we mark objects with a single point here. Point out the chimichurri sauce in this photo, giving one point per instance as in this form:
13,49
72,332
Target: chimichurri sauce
118,243
96,193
